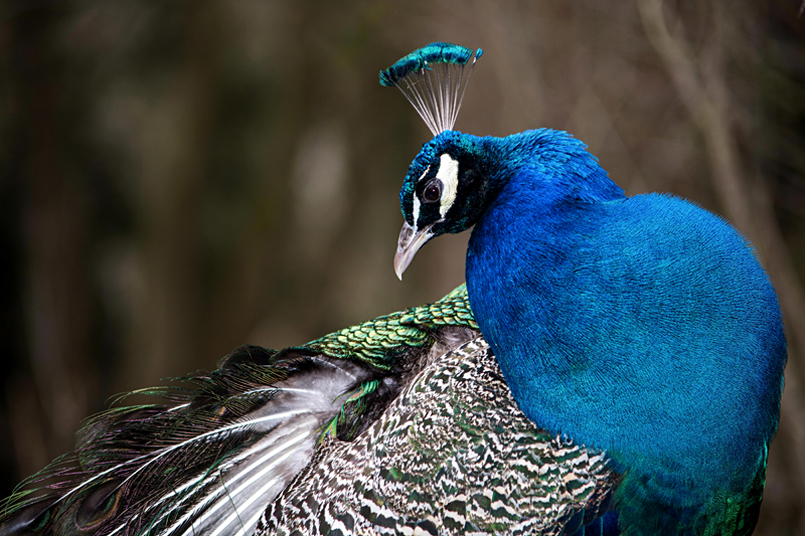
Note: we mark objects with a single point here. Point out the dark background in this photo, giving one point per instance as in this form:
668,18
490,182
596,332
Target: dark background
178,178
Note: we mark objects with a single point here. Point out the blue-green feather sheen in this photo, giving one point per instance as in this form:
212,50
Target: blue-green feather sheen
644,326
419,59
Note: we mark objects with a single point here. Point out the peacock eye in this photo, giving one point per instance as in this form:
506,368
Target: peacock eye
433,192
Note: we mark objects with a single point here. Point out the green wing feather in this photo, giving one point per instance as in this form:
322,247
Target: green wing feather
383,341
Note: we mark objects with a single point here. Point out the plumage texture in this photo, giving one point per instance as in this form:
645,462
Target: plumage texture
451,455
641,326
405,415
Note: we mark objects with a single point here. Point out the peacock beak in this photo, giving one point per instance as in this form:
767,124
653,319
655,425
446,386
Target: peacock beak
408,244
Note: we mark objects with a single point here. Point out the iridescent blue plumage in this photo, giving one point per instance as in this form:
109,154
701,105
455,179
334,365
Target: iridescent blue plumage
643,326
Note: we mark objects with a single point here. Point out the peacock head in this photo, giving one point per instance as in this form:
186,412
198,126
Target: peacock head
445,191
445,188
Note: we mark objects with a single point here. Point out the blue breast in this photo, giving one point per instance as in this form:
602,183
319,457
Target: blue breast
643,326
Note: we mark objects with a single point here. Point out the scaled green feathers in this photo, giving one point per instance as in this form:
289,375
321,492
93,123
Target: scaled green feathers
380,342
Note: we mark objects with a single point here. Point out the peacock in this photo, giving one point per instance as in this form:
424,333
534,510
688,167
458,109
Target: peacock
613,365
643,327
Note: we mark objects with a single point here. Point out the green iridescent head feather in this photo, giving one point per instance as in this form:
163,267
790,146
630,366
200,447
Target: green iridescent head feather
432,79
420,59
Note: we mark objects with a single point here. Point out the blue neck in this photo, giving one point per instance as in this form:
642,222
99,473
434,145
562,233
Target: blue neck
567,172
641,326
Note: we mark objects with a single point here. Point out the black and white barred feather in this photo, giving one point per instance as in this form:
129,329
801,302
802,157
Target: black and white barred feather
451,455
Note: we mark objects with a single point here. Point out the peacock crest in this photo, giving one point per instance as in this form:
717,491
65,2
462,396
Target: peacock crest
432,78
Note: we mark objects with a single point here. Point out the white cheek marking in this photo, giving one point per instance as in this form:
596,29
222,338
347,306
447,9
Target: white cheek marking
448,174
416,199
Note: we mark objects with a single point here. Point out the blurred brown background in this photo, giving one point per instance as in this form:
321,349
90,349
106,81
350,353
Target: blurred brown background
178,178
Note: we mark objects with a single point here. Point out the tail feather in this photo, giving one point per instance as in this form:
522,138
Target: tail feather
206,462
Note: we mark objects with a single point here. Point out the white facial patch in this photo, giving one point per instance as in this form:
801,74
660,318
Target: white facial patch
416,199
448,174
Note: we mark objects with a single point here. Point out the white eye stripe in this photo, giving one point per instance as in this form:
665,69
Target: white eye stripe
425,173
448,174
416,199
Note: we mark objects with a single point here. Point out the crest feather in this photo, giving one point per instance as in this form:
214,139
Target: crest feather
432,79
